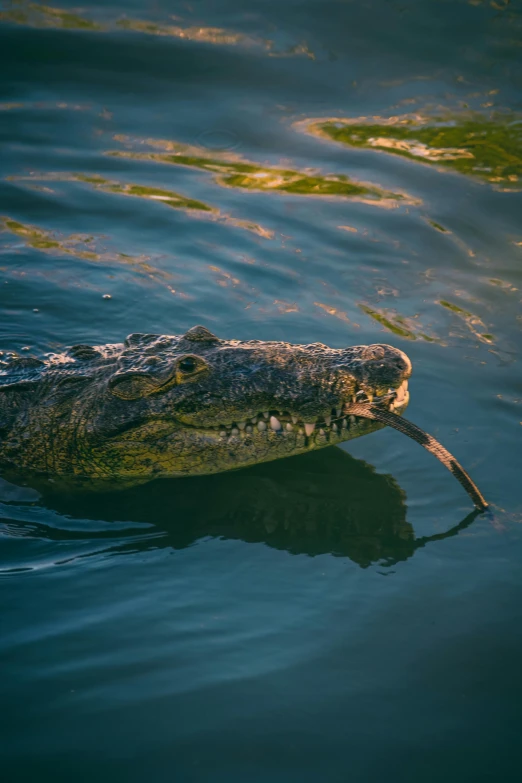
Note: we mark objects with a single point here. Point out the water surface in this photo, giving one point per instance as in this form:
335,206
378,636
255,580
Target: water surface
321,170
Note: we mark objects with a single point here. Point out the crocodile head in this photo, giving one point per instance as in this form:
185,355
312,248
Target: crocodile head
195,404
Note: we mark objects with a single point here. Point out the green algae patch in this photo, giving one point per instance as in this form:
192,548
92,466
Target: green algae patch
230,170
288,181
89,179
438,227
41,239
408,328
171,199
505,285
65,19
35,15
472,321
214,35
485,147
411,328
80,246
167,197
455,309
45,16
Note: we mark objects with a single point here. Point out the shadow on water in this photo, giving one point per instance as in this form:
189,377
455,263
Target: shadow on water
324,502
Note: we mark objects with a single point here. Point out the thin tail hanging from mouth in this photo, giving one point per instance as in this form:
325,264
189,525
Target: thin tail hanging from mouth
377,413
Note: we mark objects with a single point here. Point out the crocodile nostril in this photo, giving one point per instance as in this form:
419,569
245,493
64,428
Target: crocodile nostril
407,362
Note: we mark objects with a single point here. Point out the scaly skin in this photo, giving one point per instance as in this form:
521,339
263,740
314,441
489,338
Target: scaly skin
162,406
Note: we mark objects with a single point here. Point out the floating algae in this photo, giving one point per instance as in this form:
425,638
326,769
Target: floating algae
485,147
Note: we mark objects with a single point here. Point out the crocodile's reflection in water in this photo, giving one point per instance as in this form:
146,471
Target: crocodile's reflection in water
323,502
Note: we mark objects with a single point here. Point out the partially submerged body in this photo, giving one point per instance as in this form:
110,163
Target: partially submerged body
169,406
162,406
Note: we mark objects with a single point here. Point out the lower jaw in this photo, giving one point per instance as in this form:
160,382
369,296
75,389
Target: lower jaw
208,452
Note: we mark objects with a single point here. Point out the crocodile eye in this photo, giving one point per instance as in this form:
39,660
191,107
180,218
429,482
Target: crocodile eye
188,365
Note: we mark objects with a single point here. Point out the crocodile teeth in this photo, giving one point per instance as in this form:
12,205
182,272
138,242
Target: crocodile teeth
275,423
333,422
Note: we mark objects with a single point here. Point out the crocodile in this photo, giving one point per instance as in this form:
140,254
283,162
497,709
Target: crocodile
163,405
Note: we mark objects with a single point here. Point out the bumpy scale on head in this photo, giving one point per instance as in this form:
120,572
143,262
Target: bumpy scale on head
160,405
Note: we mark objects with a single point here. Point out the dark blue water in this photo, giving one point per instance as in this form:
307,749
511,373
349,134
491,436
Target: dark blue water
333,617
